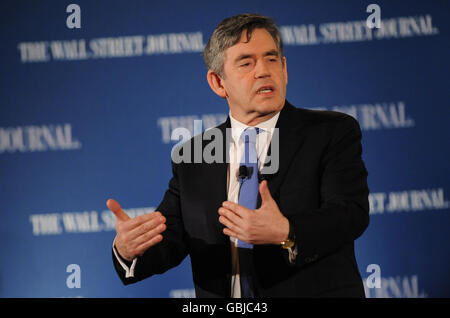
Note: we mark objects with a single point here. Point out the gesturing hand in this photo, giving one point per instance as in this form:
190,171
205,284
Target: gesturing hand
134,236
266,225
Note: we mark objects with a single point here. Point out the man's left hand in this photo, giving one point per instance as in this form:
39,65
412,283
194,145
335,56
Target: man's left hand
266,225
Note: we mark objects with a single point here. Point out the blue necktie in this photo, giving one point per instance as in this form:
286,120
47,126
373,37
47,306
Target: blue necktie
248,195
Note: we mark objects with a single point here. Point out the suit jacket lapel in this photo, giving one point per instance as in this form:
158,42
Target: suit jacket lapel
290,139
218,174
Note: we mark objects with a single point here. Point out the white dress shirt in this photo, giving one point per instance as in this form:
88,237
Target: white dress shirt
236,149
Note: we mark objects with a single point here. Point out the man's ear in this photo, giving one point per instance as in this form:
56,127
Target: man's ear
215,82
285,69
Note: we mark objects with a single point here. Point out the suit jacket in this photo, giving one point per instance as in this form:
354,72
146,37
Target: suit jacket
320,187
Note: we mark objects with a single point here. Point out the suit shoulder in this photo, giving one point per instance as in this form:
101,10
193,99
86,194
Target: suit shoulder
327,117
320,115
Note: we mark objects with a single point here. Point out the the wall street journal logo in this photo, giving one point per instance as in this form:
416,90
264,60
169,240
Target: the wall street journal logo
172,43
110,47
38,138
358,31
79,222
371,116
408,201
396,287
376,116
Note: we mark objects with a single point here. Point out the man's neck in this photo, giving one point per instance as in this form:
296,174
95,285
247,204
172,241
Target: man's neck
253,119
265,125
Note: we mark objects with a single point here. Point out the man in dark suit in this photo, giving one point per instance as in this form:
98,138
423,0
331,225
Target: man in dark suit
310,210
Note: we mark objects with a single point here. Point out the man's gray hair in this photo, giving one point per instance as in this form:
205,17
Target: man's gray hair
228,33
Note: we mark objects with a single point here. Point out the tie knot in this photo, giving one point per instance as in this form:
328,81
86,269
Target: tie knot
249,134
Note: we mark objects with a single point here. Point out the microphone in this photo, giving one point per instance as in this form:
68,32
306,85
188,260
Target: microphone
243,172
246,172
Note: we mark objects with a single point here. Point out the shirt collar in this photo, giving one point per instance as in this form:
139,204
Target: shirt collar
238,127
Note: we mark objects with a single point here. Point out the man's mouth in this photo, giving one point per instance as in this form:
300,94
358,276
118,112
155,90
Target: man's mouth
265,90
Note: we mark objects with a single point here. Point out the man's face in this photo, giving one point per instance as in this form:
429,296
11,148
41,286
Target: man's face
255,77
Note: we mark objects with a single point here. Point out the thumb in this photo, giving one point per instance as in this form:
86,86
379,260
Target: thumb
265,192
114,206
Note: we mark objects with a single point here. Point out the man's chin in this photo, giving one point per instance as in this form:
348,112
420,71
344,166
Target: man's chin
270,105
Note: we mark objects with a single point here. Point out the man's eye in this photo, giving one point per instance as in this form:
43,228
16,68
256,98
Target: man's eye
246,64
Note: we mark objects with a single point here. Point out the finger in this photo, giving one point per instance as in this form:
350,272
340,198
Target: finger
230,233
135,222
145,246
265,192
114,206
230,215
236,208
146,227
233,227
148,236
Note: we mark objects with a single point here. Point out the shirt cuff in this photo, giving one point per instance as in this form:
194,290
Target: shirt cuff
292,254
129,271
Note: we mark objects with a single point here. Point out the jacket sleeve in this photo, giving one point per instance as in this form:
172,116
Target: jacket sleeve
173,248
343,214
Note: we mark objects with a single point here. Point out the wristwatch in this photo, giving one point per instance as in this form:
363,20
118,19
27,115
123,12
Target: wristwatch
290,241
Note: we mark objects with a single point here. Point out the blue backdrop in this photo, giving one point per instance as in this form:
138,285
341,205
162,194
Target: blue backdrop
87,114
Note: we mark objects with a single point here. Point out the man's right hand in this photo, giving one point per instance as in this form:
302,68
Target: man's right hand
134,236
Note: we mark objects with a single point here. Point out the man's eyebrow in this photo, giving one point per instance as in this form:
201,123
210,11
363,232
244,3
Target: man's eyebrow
242,57
246,56
272,53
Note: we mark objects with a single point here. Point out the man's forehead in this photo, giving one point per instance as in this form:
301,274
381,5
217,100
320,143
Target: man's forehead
260,33
265,43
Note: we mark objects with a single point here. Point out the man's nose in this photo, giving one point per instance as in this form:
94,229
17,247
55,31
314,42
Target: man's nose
261,69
